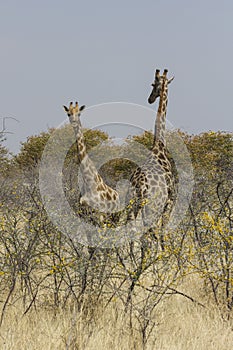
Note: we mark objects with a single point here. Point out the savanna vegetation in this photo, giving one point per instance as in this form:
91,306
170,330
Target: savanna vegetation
56,293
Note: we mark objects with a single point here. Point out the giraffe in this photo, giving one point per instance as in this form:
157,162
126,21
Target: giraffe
96,193
153,184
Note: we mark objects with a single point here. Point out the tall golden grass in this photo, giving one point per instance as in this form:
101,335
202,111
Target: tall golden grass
180,325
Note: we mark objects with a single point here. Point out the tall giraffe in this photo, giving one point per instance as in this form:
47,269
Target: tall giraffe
96,193
153,184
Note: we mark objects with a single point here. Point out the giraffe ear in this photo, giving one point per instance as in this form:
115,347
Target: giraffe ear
65,108
82,108
170,80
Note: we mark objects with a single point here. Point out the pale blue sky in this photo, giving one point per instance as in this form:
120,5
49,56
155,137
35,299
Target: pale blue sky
54,51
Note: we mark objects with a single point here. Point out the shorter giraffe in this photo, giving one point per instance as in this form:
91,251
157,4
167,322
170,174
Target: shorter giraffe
96,193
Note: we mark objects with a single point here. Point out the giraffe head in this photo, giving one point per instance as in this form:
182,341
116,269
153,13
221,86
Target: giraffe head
157,84
73,111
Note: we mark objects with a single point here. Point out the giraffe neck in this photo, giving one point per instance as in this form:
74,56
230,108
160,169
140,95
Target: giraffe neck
87,168
94,191
160,123
80,142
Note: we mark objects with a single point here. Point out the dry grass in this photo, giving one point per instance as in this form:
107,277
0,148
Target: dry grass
181,325
186,326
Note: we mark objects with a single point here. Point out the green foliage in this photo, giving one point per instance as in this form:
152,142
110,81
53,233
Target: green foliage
94,137
146,139
32,150
4,155
211,153
4,159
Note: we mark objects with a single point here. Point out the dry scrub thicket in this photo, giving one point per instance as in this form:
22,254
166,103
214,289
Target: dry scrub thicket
44,269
